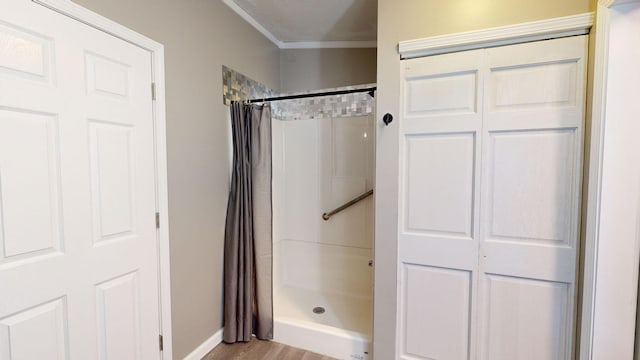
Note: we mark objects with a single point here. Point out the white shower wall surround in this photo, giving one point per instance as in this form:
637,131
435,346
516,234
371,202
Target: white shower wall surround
238,87
318,165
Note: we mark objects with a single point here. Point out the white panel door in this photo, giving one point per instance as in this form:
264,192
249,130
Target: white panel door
440,124
78,251
491,144
531,186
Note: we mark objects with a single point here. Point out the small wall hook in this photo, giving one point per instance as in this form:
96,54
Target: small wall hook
387,119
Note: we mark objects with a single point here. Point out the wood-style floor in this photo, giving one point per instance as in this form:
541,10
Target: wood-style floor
261,350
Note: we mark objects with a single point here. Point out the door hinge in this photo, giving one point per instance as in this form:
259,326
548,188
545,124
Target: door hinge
153,91
157,220
161,340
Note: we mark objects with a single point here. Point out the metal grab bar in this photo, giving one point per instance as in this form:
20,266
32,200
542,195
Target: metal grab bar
329,214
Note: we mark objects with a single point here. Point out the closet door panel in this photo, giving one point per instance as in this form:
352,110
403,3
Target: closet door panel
439,176
490,182
441,188
516,332
532,156
530,186
436,312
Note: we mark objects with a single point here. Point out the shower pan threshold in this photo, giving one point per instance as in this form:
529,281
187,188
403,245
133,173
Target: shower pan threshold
342,331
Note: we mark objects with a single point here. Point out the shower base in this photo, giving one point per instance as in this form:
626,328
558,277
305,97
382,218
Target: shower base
342,331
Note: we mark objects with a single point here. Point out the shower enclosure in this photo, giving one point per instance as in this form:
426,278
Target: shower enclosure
323,277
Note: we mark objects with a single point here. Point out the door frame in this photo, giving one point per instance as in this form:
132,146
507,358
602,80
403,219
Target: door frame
385,341
156,50
616,260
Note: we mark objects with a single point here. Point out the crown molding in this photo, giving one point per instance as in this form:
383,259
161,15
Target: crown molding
328,44
295,44
498,36
248,18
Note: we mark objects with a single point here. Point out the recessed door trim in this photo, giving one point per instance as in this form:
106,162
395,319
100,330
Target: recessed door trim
156,51
595,271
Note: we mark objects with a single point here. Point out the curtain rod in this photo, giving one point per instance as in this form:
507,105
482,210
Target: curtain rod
370,90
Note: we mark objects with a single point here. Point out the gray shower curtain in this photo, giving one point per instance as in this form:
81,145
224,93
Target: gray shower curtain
248,294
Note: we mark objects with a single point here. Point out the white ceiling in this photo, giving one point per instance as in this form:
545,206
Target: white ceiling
312,23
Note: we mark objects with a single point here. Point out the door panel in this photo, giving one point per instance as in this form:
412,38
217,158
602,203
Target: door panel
491,154
118,313
440,188
112,179
452,93
522,205
26,233
436,312
438,206
78,254
26,54
514,331
45,322
107,77
539,85
531,186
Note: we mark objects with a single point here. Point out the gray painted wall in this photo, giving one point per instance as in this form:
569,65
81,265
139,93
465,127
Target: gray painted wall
309,69
199,36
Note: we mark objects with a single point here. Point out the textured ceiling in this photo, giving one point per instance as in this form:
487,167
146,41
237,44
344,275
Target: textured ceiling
315,20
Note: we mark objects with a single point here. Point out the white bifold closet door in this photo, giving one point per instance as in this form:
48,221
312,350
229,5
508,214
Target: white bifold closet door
490,183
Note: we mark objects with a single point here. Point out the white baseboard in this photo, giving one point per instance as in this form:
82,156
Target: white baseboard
205,347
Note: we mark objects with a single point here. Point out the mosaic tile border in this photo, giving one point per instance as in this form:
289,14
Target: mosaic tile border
237,87
346,105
